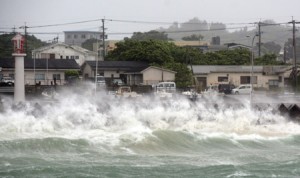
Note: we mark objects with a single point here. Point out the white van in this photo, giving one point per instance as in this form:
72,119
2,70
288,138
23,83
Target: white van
100,80
242,89
166,86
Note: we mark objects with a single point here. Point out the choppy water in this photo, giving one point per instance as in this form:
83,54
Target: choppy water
88,136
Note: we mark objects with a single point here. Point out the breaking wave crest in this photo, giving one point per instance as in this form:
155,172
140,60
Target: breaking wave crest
147,125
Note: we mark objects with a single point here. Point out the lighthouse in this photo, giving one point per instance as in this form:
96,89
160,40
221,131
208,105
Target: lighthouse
18,54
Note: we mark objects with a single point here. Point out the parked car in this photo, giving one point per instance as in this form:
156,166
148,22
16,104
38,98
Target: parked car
242,89
125,92
117,82
166,86
101,81
7,81
225,88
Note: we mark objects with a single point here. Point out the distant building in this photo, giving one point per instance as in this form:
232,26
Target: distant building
215,40
79,37
130,72
227,46
64,51
200,45
265,77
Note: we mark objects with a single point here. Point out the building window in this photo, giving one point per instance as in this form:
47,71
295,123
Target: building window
222,79
67,57
273,84
68,36
83,36
40,76
75,36
76,57
56,76
72,57
52,56
280,78
246,80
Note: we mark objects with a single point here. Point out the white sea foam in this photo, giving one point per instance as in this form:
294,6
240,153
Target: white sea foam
108,120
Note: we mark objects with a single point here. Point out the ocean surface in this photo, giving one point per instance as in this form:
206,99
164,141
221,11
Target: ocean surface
100,136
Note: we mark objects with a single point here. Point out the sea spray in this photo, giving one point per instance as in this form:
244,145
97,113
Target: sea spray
83,135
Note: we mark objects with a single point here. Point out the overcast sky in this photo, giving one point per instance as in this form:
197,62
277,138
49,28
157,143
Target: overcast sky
47,12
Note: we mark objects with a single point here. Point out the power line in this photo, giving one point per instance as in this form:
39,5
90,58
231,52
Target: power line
128,33
62,24
130,21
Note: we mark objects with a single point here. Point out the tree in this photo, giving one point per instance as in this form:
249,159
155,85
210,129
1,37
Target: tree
153,34
72,76
193,37
6,45
183,76
152,51
267,59
289,49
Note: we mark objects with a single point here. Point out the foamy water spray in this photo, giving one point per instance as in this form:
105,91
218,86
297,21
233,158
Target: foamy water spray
110,120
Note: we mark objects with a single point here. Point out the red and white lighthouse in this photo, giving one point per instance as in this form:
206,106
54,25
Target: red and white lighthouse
19,90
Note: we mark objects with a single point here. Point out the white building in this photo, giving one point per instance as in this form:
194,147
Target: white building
79,37
64,51
41,71
264,77
130,72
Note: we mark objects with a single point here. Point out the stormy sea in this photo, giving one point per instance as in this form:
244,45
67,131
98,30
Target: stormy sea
83,135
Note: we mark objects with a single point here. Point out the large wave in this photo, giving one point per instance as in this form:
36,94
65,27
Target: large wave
147,122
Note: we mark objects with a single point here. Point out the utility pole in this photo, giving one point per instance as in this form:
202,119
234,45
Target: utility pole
103,38
294,50
14,30
259,39
55,40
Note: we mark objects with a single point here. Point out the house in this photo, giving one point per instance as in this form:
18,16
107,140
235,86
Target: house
266,77
237,46
42,71
130,72
64,51
79,37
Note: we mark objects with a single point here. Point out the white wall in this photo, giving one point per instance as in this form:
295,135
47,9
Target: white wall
29,77
64,52
234,78
154,75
